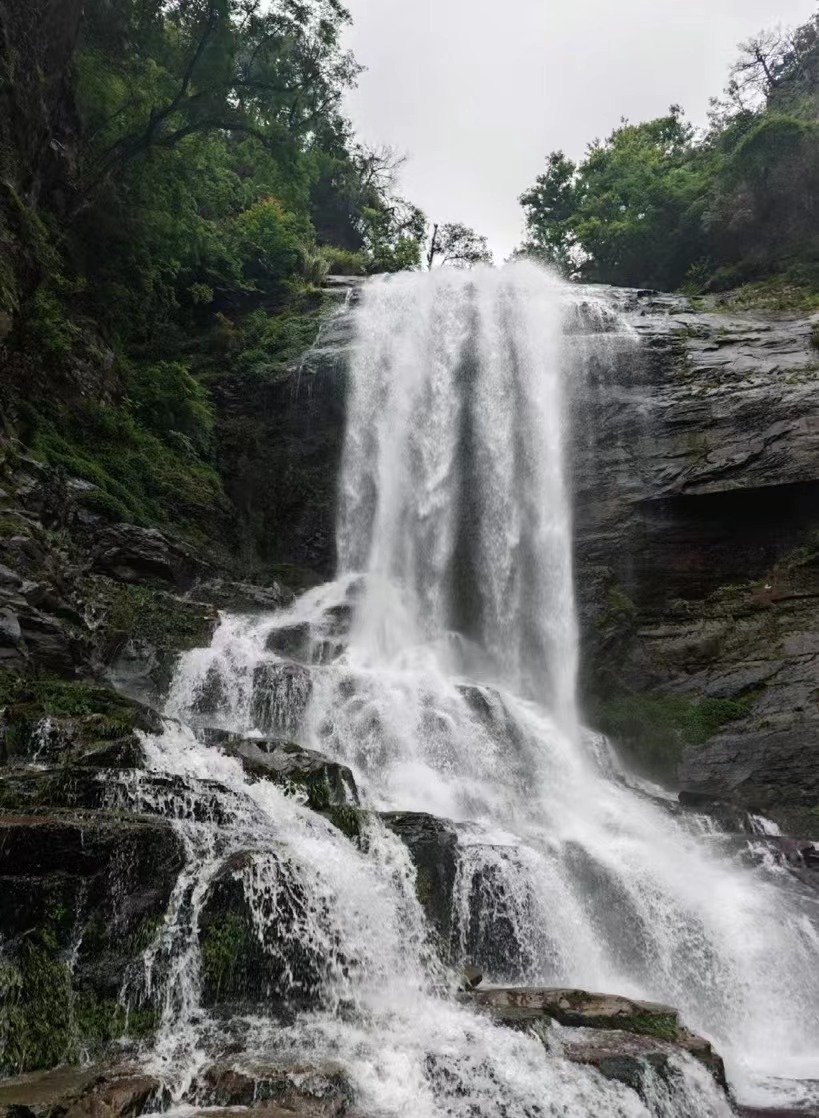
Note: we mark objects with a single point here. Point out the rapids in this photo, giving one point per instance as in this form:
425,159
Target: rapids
440,666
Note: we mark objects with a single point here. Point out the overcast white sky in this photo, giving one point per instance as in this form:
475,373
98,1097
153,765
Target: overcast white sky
476,92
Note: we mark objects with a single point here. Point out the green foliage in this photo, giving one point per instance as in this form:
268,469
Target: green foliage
345,262
168,401
658,205
141,477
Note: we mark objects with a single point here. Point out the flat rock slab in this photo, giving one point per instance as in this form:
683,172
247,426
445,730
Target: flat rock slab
79,1093
630,1020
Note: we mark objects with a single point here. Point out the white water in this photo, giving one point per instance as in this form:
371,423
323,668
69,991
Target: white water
453,694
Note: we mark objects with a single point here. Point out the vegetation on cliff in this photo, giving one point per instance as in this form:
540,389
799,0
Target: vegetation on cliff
658,204
176,179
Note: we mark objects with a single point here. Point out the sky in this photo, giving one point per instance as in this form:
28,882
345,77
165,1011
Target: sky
477,92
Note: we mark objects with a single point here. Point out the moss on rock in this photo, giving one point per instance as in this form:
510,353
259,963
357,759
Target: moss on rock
70,721
656,730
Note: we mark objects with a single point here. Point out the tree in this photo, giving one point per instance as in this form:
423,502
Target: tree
549,206
628,213
156,73
456,246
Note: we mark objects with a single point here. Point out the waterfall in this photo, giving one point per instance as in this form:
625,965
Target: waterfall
453,498
440,667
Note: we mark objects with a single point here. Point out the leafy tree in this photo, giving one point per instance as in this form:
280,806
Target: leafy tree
628,214
456,246
657,205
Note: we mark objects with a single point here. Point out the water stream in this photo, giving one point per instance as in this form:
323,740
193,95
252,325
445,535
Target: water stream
440,667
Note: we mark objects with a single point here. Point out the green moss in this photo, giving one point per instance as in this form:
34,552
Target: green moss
655,730
663,1026
140,475
619,612
423,886
782,294
44,1021
225,943
347,820
36,1020
86,713
143,613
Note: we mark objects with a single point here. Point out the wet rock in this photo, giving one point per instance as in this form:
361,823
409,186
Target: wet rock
290,641
72,1093
578,1009
126,1095
325,783
281,692
626,1057
471,977
37,1094
52,721
432,844
255,955
141,631
302,1091
86,887
133,554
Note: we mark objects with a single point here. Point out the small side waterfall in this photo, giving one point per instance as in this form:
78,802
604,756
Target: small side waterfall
440,667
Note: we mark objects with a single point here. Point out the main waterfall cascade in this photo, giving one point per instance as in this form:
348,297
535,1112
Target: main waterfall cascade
440,667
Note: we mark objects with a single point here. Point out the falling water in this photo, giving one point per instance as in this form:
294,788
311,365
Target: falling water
440,667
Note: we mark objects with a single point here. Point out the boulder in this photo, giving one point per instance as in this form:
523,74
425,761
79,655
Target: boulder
86,887
281,692
119,1092
133,554
432,844
57,722
627,1057
271,973
304,1092
325,783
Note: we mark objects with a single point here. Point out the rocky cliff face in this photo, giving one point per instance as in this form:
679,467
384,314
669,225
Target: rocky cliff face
697,523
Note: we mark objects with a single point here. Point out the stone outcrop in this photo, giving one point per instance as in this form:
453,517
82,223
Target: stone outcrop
613,1033
324,783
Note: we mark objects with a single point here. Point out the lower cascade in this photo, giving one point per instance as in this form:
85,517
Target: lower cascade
459,814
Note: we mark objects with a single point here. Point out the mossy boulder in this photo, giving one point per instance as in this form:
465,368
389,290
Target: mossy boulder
141,631
312,1092
257,961
325,784
57,722
83,895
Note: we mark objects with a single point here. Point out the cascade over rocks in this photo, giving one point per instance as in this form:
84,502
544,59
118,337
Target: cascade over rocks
384,783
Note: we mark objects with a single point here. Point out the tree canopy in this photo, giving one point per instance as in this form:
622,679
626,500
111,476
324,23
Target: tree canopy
656,204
